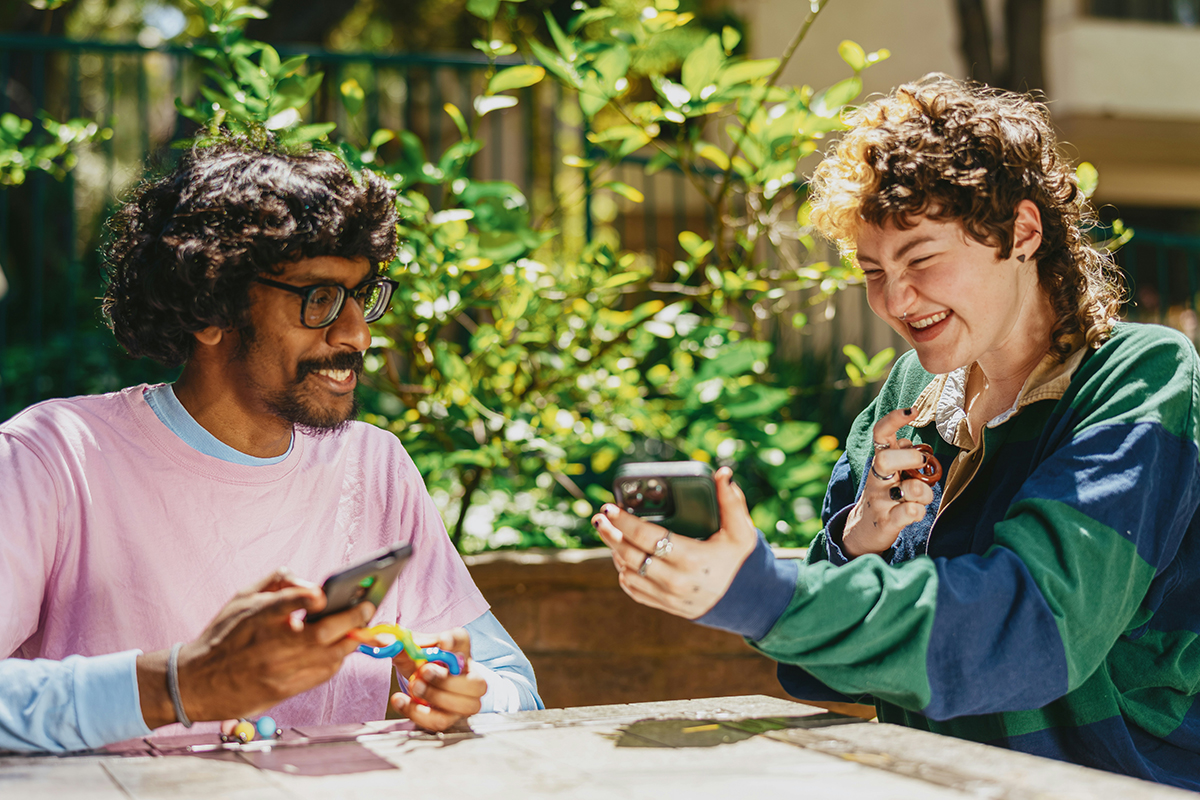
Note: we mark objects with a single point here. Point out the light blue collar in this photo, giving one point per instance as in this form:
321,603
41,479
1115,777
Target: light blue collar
172,413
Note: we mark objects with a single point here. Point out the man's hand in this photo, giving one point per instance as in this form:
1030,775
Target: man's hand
693,575
450,697
255,653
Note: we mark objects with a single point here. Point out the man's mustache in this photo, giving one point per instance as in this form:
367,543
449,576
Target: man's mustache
350,361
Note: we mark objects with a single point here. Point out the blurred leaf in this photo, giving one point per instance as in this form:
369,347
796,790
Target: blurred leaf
853,55
756,401
746,71
828,102
792,436
588,16
622,279
696,247
701,66
456,115
381,137
352,96
714,154
484,9
730,37
625,190
1088,177
515,78
484,105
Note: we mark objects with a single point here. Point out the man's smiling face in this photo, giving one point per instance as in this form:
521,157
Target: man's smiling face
305,376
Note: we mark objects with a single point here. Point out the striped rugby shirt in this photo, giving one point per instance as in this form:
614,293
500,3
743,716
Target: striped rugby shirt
1049,602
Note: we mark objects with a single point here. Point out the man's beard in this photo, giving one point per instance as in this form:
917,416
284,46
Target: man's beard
293,405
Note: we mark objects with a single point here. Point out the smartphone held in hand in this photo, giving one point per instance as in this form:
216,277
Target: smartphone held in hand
679,495
368,580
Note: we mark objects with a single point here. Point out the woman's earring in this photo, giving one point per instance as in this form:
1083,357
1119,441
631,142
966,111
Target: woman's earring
1021,259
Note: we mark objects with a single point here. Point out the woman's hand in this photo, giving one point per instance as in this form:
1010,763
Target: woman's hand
683,576
888,503
449,697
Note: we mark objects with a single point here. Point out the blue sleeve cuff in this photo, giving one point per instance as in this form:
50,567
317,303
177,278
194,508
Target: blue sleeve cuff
509,675
760,592
833,541
107,701
833,537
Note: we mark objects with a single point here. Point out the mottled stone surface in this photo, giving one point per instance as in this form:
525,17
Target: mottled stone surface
573,753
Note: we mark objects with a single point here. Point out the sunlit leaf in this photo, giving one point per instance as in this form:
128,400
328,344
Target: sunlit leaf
515,78
459,121
352,96
714,154
701,66
625,190
853,55
828,102
695,247
746,71
621,279
485,104
1088,177
730,37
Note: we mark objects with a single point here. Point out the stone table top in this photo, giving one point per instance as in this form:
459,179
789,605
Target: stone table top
721,748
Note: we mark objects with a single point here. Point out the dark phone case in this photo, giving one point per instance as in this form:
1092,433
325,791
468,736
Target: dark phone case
693,493
343,590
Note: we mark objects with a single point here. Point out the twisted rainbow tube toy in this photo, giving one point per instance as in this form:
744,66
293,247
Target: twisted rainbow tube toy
372,646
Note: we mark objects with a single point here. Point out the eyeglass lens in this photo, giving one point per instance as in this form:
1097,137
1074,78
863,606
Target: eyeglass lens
325,303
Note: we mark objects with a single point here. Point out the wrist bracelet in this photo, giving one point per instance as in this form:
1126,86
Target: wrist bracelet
173,685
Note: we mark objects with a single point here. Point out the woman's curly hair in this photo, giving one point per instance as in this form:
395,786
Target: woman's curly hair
953,151
185,248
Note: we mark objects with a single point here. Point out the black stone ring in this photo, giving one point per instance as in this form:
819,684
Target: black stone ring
897,494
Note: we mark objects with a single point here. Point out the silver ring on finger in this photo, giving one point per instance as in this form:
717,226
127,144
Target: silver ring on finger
662,548
881,446
884,478
645,564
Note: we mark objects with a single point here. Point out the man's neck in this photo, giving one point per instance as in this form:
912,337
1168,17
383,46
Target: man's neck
219,411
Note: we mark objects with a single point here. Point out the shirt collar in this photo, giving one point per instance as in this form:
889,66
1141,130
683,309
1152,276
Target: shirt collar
943,401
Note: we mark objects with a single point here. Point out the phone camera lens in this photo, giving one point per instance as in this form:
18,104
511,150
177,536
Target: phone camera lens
656,491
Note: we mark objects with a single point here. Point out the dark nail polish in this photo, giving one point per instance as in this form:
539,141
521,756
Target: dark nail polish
908,412
595,523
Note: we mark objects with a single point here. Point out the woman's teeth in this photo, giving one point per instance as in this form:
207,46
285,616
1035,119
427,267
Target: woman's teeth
337,374
925,323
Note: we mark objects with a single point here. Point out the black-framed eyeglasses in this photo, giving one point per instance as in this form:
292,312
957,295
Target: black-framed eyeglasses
323,302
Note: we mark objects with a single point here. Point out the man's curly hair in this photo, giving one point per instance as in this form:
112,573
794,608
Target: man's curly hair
185,248
953,151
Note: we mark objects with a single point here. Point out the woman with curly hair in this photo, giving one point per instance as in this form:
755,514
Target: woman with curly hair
1039,593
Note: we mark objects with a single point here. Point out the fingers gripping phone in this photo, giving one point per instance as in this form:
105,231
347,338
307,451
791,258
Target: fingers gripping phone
369,580
679,495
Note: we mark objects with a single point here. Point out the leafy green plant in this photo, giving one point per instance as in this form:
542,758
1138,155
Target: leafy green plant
517,380
50,150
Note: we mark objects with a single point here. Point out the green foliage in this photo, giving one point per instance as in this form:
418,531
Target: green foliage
249,89
50,150
517,381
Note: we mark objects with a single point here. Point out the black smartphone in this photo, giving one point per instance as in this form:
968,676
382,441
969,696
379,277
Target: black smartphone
369,580
679,495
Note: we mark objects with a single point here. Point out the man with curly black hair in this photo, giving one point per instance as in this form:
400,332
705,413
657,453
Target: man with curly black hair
258,272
